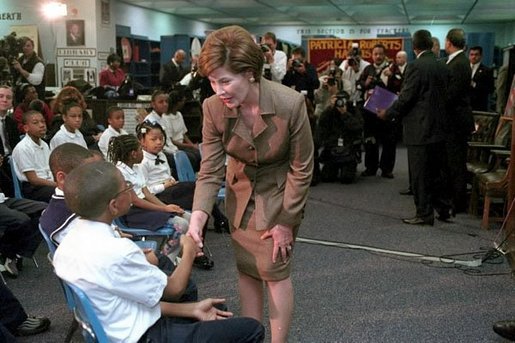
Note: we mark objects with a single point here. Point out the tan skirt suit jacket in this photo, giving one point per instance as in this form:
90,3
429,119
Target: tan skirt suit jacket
268,170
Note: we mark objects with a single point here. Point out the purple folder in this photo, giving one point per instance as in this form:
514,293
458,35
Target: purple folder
381,98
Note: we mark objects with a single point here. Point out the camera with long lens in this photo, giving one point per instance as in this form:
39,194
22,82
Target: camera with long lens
296,63
264,48
353,56
341,100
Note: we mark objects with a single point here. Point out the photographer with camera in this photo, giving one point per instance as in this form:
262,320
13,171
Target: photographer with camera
376,131
275,60
352,68
301,75
331,82
339,134
29,68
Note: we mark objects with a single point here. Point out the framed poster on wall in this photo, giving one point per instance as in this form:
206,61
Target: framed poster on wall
75,33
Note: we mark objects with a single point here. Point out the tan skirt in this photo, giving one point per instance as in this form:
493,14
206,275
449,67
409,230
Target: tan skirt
254,255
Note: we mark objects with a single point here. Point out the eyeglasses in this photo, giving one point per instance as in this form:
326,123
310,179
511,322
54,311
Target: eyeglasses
129,186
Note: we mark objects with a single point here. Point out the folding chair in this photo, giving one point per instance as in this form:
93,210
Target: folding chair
92,329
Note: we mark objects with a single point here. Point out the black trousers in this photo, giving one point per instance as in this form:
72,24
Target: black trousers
457,170
12,313
19,220
377,132
229,330
428,181
38,193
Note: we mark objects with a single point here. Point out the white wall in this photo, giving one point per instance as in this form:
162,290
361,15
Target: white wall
154,24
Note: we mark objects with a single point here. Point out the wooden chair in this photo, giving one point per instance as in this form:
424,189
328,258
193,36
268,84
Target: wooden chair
480,157
494,185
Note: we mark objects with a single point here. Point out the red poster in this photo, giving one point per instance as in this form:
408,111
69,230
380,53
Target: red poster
322,50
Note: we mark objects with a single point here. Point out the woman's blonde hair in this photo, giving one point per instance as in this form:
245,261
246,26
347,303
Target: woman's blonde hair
234,48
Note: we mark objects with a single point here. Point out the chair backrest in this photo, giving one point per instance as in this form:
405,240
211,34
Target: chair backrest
92,329
16,182
183,165
51,246
486,126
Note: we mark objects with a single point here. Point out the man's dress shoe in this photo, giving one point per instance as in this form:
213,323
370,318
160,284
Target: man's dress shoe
506,329
419,221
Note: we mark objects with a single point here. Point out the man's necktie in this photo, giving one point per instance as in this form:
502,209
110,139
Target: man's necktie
159,161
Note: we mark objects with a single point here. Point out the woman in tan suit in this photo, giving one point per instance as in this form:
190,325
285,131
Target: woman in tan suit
264,130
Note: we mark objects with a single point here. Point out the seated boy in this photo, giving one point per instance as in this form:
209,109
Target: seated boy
31,159
57,218
124,288
116,120
63,159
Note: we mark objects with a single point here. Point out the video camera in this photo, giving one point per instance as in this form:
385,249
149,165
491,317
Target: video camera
11,47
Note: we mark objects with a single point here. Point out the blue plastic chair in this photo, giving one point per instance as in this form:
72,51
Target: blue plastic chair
92,329
185,171
165,232
67,292
16,182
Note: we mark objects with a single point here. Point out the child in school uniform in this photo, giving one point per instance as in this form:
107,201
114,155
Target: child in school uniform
147,210
69,131
160,182
177,129
116,120
159,102
30,158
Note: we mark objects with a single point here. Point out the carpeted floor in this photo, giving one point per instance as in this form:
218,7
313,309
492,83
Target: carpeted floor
348,288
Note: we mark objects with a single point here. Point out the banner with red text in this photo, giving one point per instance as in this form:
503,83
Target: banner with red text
322,50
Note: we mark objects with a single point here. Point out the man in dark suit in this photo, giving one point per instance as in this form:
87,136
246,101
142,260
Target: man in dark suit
482,82
377,132
9,137
172,72
460,123
422,111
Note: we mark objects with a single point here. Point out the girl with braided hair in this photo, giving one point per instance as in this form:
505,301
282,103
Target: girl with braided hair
147,210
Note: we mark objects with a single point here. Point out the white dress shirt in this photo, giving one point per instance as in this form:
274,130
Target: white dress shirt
153,117
175,126
30,156
154,174
103,142
278,68
123,287
64,136
132,175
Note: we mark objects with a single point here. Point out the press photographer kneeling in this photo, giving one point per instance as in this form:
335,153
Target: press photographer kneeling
339,134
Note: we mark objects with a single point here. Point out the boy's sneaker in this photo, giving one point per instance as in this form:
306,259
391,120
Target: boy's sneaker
32,326
10,267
